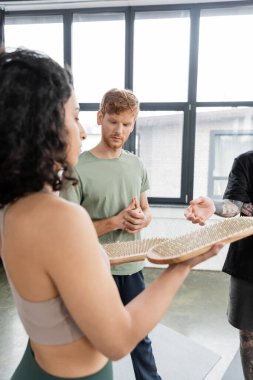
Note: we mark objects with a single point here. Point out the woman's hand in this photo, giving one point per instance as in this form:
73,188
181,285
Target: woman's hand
213,251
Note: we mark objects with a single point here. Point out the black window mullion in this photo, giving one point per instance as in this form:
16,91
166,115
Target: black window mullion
190,120
89,106
129,47
67,36
2,19
129,41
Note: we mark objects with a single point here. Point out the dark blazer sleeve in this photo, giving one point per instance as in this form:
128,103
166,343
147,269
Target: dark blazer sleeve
239,184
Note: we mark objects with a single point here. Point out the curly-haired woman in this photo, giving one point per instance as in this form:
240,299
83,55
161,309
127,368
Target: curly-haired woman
76,325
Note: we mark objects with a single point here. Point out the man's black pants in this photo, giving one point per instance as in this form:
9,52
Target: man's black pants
142,356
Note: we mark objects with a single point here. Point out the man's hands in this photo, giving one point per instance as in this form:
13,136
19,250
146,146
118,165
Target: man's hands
200,210
132,219
247,209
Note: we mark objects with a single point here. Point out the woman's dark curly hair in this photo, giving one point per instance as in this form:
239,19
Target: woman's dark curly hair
33,138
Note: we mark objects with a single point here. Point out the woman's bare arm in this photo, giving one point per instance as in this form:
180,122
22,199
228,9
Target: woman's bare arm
75,266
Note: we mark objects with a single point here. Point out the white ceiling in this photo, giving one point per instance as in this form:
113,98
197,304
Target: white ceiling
55,4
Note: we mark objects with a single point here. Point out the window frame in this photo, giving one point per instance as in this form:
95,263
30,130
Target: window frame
188,108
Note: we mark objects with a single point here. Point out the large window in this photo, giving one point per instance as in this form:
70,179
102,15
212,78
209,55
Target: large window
225,55
190,65
160,80
42,33
160,60
221,135
224,113
224,147
159,144
89,121
98,46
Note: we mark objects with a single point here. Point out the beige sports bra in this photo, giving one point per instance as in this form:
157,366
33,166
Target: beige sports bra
46,322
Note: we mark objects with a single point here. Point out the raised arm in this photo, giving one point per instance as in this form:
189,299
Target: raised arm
199,210
202,208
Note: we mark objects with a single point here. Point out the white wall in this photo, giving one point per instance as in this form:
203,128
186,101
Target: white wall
170,222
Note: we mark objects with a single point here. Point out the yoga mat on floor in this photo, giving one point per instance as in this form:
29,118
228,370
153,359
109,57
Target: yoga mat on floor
234,371
177,357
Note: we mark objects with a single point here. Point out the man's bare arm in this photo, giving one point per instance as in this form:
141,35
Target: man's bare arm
113,223
104,226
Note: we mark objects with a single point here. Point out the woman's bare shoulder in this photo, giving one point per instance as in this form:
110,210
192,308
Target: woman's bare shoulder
62,217
46,220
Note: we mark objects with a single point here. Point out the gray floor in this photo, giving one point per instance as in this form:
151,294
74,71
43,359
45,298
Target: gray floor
198,312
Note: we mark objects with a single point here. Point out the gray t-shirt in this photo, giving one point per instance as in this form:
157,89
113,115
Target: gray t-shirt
106,187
